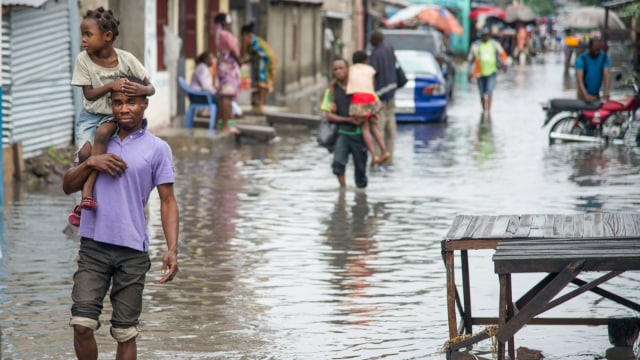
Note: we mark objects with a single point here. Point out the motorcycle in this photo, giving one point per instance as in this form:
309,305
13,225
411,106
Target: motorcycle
611,121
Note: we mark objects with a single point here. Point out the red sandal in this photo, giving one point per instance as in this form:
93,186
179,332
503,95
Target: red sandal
88,203
74,217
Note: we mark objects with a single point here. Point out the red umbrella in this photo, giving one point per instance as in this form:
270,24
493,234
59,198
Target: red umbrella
488,11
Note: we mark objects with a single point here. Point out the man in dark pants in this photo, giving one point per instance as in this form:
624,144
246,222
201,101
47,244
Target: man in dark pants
383,59
350,140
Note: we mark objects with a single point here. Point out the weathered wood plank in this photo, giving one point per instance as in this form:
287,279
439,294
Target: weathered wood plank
636,223
571,240
551,264
469,341
609,225
558,223
547,321
469,244
631,224
475,227
524,227
567,226
609,295
587,226
548,226
512,226
548,255
500,227
487,227
578,226
540,300
458,227
582,289
537,226
541,254
598,225
454,226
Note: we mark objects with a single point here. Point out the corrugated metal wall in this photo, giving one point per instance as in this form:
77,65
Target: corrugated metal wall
6,81
42,112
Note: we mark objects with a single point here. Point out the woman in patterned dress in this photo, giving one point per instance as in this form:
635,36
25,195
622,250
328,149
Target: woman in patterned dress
263,57
228,70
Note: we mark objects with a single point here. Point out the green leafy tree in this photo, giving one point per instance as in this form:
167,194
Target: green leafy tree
542,7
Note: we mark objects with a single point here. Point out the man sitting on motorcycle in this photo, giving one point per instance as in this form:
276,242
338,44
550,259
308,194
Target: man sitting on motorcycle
592,69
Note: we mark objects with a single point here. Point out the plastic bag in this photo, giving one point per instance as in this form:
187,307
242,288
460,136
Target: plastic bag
327,134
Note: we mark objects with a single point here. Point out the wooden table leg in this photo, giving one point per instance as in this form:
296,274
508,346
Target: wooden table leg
466,292
510,312
502,312
539,302
451,295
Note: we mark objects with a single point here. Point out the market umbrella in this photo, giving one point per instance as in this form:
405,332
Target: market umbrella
518,13
441,19
487,11
405,15
590,17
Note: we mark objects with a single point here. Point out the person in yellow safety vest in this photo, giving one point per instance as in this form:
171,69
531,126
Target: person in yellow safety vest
486,57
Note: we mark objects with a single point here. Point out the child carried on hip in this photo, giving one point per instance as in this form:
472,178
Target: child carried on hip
365,104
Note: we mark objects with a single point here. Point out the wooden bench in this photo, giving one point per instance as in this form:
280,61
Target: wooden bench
561,245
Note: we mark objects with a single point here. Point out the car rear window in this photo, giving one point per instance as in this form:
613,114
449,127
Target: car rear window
419,65
419,42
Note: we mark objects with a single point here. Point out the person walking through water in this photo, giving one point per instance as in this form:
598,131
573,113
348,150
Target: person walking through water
486,57
228,70
99,69
114,244
350,140
365,104
383,60
592,70
263,58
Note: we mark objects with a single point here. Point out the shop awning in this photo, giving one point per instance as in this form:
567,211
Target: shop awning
28,3
396,3
617,3
336,15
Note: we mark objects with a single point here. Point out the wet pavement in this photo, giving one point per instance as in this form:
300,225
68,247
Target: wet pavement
277,263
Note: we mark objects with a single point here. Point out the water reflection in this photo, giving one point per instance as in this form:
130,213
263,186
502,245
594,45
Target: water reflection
596,165
428,137
484,144
350,236
212,209
568,81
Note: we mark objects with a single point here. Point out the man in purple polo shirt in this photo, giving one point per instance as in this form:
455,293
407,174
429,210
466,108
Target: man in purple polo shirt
114,245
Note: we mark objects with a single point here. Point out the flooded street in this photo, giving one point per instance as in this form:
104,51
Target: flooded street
277,263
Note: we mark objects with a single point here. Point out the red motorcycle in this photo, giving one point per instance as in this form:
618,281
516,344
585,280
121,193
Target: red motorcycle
611,121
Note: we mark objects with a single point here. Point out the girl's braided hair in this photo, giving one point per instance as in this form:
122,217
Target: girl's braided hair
105,19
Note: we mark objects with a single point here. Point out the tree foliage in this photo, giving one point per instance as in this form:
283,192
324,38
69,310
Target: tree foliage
541,7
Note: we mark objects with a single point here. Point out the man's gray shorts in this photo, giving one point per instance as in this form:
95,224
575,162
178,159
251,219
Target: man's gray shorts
98,265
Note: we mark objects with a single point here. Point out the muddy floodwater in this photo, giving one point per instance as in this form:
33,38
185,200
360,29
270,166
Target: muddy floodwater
277,263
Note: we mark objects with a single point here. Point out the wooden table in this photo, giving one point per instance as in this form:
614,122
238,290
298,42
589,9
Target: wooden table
561,245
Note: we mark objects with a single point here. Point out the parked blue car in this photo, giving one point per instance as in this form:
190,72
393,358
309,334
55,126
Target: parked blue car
424,98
